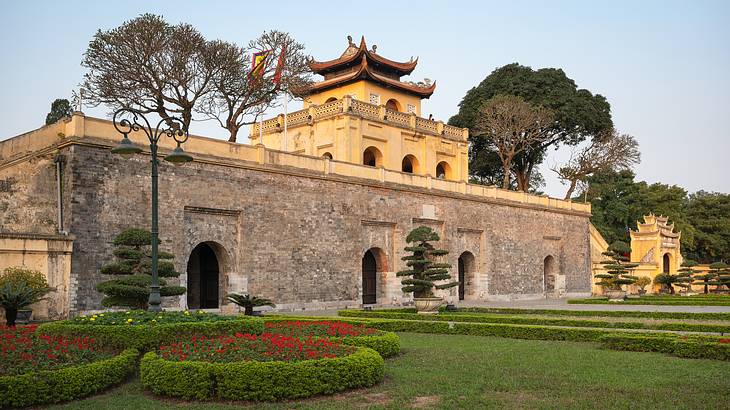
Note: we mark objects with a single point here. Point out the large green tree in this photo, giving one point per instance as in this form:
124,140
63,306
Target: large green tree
709,215
579,114
60,108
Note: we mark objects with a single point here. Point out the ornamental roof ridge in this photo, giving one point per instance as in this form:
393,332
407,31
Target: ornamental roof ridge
364,72
352,53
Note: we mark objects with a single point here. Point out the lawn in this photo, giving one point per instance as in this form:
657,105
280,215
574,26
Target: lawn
455,371
669,300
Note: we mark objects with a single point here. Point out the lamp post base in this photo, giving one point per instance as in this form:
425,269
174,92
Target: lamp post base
155,300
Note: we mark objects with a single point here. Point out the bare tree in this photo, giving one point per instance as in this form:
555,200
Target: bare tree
512,126
613,152
152,66
238,97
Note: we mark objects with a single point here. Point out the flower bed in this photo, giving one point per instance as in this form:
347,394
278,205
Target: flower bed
38,369
355,334
146,331
258,367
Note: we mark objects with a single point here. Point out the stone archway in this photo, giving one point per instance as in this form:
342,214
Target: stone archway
373,262
204,276
465,271
550,272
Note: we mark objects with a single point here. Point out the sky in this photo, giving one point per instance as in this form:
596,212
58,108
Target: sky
663,65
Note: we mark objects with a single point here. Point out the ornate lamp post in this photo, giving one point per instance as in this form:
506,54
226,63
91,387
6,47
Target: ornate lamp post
127,120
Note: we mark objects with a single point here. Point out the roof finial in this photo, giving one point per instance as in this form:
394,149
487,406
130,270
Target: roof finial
349,41
375,48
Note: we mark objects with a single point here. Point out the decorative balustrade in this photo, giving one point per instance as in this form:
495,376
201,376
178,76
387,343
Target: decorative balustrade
365,110
397,117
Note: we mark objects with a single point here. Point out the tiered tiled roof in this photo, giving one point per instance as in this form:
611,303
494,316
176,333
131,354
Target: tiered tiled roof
359,63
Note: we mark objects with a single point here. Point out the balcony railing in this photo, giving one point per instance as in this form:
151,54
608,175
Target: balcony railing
350,106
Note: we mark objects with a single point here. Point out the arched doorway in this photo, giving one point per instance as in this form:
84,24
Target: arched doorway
203,278
466,270
372,262
666,267
549,272
393,104
372,157
443,170
409,164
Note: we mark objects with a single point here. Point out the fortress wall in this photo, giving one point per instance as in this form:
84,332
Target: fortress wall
299,238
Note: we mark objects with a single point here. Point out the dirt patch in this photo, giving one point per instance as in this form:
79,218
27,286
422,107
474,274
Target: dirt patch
420,402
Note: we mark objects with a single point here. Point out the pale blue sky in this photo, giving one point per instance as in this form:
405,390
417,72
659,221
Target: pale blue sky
662,65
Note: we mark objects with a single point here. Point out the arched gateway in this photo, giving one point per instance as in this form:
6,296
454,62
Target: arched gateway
203,278
372,262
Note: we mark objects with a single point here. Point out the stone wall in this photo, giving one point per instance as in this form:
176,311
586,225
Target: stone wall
299,239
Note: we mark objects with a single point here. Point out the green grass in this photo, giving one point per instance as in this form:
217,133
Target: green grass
676,300
591,313
455,371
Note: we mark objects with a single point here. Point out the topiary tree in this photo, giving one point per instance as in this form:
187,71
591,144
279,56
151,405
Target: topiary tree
423,271
642,283
666,280
618,268
720,272
704,280
134,265
685,275
248,302
20,287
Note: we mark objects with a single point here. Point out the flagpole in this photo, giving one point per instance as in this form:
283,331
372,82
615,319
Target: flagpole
286,98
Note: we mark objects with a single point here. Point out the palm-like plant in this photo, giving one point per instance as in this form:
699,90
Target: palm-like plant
248,302
17,295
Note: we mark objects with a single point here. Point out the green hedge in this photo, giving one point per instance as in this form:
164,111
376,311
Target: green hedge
530,332
68,383
487,318
669,301
385,343
598,313
149,337
696,348
261,381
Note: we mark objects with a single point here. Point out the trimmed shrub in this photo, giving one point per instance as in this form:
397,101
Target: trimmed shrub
670,301
261,381
596,313
486,318
68,383
681,346
148,336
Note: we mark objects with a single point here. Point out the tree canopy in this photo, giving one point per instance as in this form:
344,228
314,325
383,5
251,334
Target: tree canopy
579,114
60,108
618,201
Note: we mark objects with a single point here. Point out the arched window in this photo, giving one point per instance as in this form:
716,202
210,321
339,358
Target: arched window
329,100
409,164
327,155
666,263
393,104
466,273
372,157
443,170
373,261
549,272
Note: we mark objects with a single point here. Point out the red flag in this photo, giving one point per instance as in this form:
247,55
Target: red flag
280,66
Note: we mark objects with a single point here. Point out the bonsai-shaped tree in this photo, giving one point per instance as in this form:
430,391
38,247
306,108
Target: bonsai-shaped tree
248,302
618,268
642,282
423,270
721,275
134,268
19,288
704,279
666,280
685,275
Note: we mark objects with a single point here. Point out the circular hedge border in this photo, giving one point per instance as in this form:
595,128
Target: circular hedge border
383,342
68,383
145,337
261,381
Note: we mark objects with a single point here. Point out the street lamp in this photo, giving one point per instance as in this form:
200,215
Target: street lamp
126,120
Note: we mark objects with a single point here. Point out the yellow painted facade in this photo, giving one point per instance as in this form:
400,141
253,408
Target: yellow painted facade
362,90
654,246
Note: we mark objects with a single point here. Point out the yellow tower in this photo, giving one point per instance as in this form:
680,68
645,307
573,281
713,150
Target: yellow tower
361,112
655,247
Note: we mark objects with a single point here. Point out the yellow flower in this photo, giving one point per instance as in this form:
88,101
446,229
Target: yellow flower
130,320
101,314
92,318
187,313
154,321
